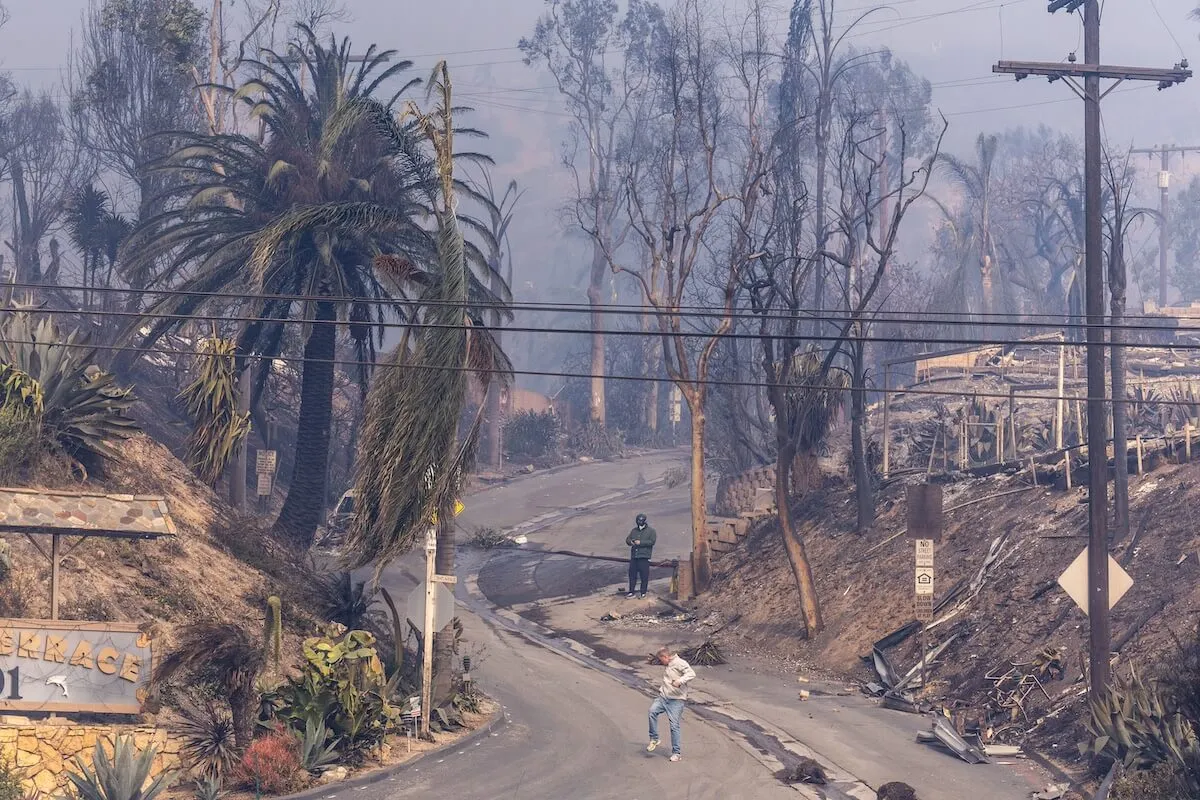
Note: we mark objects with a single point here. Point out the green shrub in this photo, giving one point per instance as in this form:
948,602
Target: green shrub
318,749
20,443
210,748
124,776
341,684
598,441
10,781
531,434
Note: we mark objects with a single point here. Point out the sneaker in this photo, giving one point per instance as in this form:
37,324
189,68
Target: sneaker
642,596
653,744
676,757
630,594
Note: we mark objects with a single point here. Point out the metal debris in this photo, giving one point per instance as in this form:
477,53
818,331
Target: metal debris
1053,792
949,738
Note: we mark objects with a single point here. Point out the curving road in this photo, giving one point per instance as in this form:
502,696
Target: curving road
570,731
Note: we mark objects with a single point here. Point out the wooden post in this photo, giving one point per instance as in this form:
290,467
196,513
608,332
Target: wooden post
55,559
1059,405
1079,420
1067,468
962,449
427,639
1012,421
999,437
1033,471
1187,441
1139,453
887,418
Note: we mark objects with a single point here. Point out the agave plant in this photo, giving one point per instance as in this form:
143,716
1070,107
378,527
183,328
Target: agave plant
212,402
210,789
80,409
347,602
1134,724
125,776
317,751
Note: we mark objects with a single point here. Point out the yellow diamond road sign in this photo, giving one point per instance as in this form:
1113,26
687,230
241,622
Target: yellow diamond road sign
458,509
1074,581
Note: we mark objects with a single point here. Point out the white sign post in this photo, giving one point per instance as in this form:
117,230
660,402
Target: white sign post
427,639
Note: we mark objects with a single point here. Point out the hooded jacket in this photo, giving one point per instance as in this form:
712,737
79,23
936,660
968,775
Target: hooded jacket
646,536
678,672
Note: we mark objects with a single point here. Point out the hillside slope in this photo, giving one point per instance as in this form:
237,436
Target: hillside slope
220,566
1034,533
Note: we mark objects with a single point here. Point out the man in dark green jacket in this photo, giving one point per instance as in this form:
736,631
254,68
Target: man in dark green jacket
641,546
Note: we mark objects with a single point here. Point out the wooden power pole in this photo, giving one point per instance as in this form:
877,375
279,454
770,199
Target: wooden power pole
1164,210
1091,71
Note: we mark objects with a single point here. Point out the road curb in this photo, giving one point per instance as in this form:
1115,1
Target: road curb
497,722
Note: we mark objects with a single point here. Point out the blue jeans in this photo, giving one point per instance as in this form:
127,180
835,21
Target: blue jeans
674,711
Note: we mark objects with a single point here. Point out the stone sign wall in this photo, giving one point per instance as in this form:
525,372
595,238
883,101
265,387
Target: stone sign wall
43,753
94,667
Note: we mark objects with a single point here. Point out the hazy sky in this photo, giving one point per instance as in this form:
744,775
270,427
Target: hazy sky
951,42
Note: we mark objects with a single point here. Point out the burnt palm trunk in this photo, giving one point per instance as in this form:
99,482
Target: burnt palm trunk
305,501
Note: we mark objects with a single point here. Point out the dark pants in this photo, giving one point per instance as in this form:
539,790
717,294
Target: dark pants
639,567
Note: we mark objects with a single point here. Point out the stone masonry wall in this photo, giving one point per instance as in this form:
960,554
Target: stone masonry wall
736,493
44,752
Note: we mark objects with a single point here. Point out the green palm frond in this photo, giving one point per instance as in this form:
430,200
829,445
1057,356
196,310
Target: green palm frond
212,402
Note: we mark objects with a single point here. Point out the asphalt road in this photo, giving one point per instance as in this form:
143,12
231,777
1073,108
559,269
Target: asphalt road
571,732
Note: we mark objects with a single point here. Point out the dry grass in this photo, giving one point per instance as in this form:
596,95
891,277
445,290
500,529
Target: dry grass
169,582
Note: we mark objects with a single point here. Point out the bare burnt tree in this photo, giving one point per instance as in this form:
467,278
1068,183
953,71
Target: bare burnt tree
43,165
691,130
597,61
131,81
867,225
1118,175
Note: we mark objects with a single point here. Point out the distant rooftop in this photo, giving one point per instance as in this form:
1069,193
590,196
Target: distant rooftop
33,511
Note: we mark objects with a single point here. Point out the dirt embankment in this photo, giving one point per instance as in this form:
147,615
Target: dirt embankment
867,587
220,566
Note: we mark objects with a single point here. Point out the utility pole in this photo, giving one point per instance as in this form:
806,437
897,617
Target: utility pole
1091,71
1164,219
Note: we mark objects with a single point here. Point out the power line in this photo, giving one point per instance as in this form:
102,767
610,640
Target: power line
708,382
831,318
1012,319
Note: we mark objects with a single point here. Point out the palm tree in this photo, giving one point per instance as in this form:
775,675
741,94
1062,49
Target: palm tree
976,180
226,655
86,217
326,206
412,459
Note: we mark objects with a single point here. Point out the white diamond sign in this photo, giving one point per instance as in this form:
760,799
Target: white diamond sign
1074,581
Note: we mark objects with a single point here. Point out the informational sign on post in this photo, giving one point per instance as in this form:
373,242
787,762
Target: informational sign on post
924,580
264,465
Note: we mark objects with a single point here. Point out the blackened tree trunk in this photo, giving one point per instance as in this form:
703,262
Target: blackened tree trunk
305,502
864,489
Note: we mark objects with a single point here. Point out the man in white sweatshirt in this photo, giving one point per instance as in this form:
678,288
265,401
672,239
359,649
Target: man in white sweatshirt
671,696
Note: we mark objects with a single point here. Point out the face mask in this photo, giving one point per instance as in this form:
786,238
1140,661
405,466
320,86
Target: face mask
641,526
